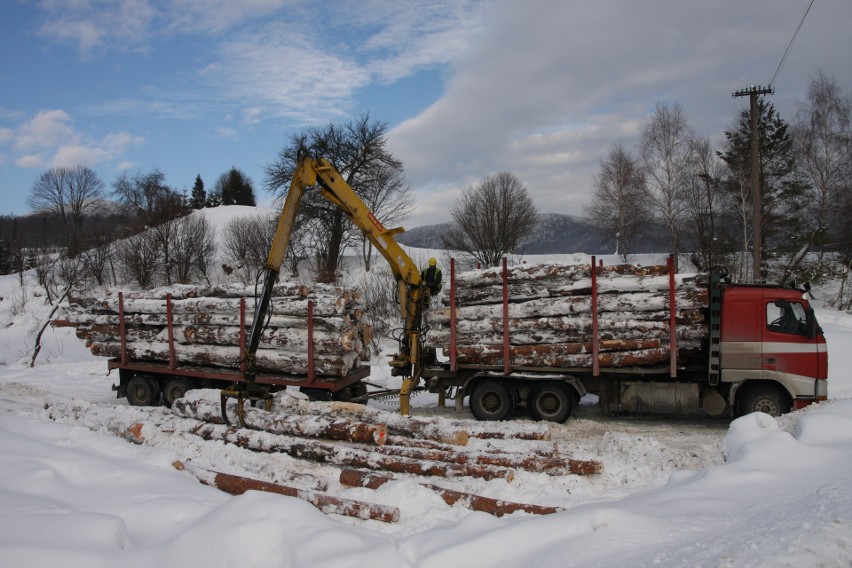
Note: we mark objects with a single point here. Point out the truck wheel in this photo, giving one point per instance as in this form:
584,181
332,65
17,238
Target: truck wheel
552,401
317,395
356,390
143,390
492,399
764,398
175,388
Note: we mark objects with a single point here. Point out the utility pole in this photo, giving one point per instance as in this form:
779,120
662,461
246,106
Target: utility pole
752,92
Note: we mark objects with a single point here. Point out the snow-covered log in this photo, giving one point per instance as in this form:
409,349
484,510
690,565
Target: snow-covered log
202,324
237,485
272,338
325,452
278,423
496,507
541,316
268,360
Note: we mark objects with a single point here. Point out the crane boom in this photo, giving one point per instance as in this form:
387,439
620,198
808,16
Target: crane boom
320,172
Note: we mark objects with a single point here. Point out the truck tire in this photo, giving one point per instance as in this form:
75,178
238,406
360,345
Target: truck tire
551,401
492,399
143,390
317,395
764,398
174,389
353,391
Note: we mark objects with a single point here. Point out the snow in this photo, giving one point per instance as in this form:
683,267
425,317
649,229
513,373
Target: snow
757,492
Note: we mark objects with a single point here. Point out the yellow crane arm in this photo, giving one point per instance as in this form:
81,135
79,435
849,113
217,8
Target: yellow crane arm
311,172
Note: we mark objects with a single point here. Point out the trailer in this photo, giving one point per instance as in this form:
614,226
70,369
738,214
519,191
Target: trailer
761,350
147,381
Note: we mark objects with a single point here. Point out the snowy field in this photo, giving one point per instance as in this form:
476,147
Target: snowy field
754,492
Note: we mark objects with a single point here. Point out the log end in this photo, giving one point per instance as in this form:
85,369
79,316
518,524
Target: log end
459,438
380,434
134,433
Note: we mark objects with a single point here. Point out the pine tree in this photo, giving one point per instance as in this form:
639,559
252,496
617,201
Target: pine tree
235,188
198,198
781,186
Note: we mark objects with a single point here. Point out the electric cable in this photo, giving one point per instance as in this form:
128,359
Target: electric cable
789,45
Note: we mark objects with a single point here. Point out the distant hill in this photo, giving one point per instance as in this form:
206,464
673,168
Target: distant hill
555,234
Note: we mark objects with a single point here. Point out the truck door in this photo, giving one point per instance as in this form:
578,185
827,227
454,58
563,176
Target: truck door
787,348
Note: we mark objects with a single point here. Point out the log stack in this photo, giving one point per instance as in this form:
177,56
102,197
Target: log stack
201,325
549,317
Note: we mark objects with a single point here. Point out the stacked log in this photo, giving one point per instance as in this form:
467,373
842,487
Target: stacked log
206,327
550,321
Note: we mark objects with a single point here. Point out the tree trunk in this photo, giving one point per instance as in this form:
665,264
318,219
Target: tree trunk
496,507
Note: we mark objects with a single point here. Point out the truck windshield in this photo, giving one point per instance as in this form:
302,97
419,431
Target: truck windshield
786,317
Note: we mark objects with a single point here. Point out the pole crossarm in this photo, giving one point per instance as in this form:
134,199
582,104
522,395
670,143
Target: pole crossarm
754,90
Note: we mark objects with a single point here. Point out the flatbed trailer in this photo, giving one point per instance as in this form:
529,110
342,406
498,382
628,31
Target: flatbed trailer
147,382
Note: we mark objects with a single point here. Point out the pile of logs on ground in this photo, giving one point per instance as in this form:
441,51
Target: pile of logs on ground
368,452
546,310
206,325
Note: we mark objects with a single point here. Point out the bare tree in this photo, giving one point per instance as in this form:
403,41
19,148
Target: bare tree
148,198
140,256
358,150
96,256
665,152
823,147
704,204
388,197
69,193
192,246
491,218
246,243
619,207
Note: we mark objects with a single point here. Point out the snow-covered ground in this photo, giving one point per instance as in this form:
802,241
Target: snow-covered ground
758,491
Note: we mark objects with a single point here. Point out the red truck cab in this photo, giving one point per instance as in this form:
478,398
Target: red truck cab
772,351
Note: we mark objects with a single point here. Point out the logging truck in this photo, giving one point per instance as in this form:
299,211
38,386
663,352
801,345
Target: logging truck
644,340
696,344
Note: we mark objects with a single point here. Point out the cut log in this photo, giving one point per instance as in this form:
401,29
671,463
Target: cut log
639,357
237,485
437,430
496,507
277,423
581,305
323,307
323,452
268,360
609,283
529,339
561,273
272,338
290,322
533,463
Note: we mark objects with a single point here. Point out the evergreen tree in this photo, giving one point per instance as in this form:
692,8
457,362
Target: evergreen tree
198,198
781,186
235,188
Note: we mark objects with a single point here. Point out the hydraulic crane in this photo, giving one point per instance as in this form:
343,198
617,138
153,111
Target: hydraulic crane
312,173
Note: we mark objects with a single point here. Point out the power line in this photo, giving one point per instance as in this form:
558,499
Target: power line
786,51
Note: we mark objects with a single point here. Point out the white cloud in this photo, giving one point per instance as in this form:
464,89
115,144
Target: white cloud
30,161
286,74
551,85
93,25
48,139
48,128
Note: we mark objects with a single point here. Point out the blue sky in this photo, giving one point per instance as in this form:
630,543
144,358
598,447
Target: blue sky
468,88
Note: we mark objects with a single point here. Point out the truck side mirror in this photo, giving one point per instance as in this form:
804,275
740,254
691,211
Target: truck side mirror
810,323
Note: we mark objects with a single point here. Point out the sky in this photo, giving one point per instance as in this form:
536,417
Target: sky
467,88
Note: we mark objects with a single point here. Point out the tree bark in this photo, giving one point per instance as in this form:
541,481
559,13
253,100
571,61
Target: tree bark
496,507
237,485
278,423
